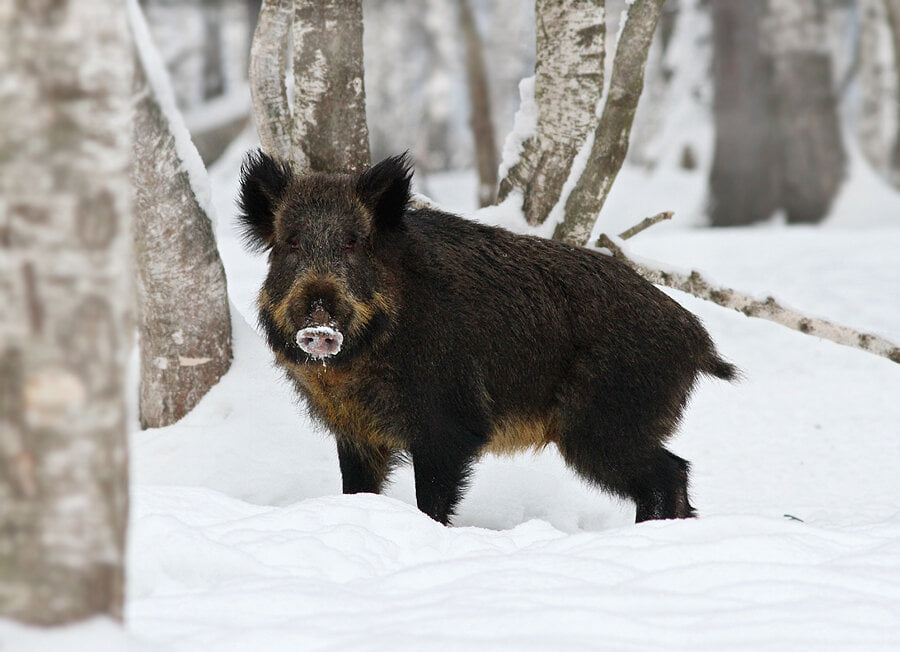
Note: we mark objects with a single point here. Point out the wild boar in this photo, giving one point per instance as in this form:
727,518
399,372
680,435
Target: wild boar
417,334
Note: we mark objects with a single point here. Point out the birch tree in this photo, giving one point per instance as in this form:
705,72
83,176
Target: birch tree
567,86
183,313
65,325
268,67
611,134
328,130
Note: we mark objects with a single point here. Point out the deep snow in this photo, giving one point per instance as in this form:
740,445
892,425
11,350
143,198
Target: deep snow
240,538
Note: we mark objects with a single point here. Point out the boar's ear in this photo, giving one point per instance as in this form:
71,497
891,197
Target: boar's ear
263,183
384,189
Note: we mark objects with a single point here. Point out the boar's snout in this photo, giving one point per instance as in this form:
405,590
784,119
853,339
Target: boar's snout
320,341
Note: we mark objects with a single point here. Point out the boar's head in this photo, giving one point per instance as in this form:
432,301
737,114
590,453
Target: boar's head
326,294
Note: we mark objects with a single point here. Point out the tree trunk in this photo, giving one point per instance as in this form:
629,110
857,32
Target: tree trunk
268,67
612,132
65,325
183,313
893,12
873,70
744,178
213,70
329,132
568,85
480,102
811,151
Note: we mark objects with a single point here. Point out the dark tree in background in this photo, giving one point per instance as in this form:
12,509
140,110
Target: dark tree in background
480,100
778,136
744,179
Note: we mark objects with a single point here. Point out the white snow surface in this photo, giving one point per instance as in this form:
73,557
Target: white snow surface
240,539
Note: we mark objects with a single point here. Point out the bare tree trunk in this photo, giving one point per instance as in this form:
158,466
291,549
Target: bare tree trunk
65,324
568,85
329,131
480,102
213,72
876,97
893,12
268,67
183,313
743,182
811,151
612,132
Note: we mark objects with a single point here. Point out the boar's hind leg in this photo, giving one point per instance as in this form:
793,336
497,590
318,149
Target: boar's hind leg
653,477
364,468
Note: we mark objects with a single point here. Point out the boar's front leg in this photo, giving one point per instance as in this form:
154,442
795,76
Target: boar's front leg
441,466
364,467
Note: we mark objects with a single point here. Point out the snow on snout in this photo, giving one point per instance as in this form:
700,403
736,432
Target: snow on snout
320,341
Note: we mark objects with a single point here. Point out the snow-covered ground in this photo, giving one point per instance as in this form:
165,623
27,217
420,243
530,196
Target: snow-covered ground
240,539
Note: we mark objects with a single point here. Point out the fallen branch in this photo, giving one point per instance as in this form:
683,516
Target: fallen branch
694,283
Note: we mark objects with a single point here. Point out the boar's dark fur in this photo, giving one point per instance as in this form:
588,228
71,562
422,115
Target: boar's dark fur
460,338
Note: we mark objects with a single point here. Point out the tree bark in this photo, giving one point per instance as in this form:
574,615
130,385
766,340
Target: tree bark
811,151
893,12
778,139
743,181
268,67
183,313
65,325
329,132
568,85
480,103
213,72
612,132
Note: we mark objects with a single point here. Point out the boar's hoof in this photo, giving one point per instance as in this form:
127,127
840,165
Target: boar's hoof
320,341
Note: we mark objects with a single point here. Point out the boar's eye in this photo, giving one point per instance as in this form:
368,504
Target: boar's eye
349,245
293,244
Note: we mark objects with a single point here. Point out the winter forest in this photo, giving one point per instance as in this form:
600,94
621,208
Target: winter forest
176,475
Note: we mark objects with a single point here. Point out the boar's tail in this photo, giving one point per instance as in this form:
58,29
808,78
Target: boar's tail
716,366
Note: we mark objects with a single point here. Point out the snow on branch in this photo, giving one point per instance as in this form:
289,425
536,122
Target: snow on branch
694,283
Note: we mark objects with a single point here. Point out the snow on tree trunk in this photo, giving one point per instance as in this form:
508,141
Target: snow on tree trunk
568,85
329,129
611,135
808,134
183,314
743,181
268,67
65,324
480,103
